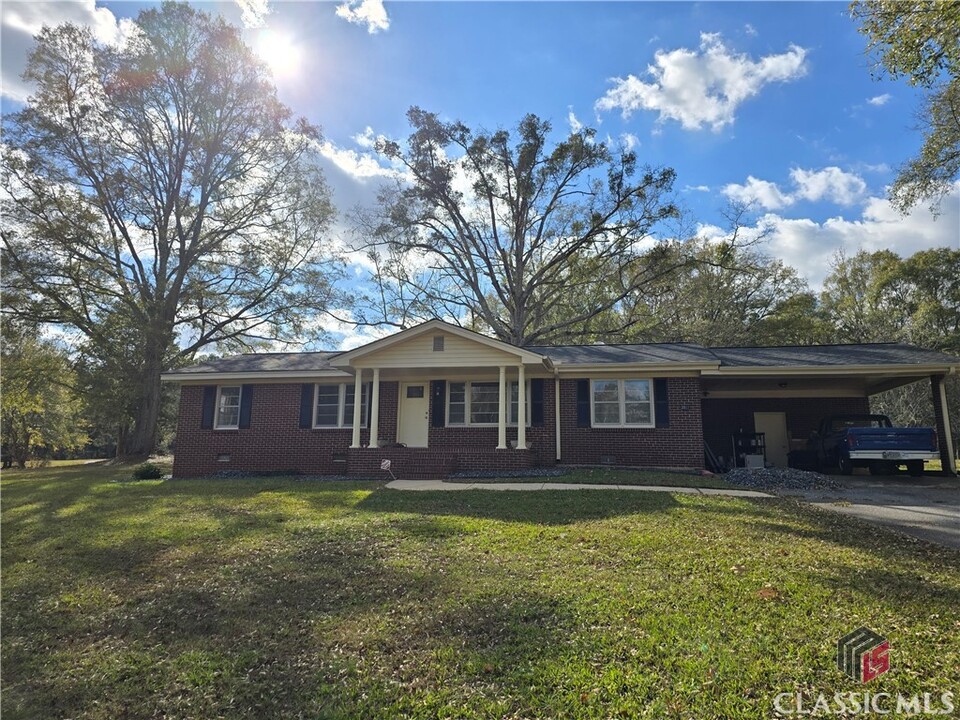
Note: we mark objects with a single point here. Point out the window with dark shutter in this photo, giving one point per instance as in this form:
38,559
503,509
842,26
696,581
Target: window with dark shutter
246,405
306,405
583,403
661,403
208,407
536,402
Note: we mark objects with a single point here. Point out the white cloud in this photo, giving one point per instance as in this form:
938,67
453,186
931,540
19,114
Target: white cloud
760,192
750,30
20,21
365,12
831,183
629,140
360,166
575,125
254,12
809,246
367,139
879,100
696,188
701,87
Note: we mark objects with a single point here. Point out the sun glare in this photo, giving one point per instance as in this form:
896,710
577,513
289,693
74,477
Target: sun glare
279,52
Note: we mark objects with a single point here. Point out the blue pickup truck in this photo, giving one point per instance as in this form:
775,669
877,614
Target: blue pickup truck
871,441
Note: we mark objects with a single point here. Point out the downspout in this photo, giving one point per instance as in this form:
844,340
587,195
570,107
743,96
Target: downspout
556,407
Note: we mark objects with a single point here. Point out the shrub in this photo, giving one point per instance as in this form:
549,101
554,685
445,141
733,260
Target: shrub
148,471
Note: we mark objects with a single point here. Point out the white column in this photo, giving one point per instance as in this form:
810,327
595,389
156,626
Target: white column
947,441
502,421
521,409
357,389
375,410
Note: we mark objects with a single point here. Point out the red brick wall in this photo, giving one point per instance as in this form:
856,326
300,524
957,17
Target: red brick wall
722,417
274,441
472,441
678,446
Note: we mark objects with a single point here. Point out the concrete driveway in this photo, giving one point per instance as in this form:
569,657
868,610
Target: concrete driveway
927,507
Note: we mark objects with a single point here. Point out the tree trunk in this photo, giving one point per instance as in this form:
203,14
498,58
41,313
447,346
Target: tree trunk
143,438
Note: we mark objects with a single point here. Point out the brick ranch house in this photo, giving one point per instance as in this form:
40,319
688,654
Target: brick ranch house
436,399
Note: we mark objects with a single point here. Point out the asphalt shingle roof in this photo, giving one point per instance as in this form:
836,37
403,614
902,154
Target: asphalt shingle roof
831,355
647,353
264,362
785,356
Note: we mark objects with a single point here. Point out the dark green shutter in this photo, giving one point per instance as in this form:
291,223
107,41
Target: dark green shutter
438,402
661,403
306,405
246,403
536,402
583,403
209,405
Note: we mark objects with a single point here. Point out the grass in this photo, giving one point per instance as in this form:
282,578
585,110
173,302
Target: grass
608,476
282,598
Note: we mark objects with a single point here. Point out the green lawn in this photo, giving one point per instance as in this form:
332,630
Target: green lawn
272,598
608,476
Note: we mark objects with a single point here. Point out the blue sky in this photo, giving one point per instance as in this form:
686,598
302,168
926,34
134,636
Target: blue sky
772,103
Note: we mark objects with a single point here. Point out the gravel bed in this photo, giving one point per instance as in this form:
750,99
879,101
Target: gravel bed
525,473
780,479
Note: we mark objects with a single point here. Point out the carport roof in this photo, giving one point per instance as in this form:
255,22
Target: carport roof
831,356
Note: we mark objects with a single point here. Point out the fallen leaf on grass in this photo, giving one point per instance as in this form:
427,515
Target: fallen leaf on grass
738,569
768,593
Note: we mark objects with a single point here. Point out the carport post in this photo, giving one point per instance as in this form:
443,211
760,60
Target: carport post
947,459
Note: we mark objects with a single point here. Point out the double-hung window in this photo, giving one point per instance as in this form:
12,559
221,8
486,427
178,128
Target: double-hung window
622,403
228,407
334,405
478,403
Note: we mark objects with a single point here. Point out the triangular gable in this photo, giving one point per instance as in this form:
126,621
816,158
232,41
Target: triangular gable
417,342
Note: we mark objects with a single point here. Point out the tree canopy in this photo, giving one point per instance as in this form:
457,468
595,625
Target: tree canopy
159,199
920,41
527,238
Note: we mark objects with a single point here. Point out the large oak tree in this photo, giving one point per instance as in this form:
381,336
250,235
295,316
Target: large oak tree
159,199
513,233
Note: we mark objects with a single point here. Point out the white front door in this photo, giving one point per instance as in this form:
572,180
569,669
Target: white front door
414,414
774,427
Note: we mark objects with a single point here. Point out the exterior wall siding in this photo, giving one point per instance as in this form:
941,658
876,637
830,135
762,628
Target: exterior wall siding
722,417
678,446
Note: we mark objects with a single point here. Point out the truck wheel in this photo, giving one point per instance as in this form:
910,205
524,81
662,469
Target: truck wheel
846,465
915,468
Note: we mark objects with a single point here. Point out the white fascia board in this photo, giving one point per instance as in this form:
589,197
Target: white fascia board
766,370
680,369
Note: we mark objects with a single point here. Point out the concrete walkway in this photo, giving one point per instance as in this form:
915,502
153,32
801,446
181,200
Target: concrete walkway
531,486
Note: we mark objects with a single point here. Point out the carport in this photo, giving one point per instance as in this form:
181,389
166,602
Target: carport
784,392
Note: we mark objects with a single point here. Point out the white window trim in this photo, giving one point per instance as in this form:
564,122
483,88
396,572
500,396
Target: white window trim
466,404
622,402
216,408
343,422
